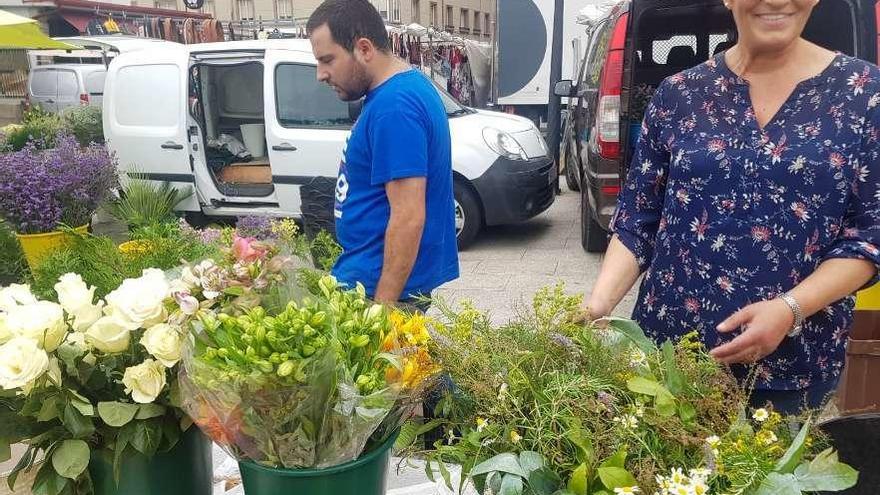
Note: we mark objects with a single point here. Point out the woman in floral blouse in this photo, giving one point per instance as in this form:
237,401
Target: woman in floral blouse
753,200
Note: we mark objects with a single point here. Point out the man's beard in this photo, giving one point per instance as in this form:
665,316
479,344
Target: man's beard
357,85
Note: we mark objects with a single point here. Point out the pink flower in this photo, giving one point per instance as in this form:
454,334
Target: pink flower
247,249
188,304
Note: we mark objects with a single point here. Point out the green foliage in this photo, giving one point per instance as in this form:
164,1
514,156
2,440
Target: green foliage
38,127
325,250
143,203
13,267
85,123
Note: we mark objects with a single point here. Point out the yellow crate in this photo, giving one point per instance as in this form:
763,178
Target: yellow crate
869,299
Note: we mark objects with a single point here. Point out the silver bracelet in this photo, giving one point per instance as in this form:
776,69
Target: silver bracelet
798,314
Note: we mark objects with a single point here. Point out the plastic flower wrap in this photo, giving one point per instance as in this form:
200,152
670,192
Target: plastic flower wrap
311,384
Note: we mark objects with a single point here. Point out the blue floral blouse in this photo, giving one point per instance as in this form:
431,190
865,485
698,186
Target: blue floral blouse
721,213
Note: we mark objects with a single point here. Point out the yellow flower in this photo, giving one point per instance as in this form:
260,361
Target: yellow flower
627,490
515,437
766,437
761,415
482,423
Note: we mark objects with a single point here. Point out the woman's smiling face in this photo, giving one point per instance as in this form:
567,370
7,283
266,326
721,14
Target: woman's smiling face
770,25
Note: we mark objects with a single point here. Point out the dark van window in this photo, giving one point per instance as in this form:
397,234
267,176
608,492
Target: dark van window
302,101
598,51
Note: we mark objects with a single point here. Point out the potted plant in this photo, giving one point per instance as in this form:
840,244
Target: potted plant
43,190
307,391
543,406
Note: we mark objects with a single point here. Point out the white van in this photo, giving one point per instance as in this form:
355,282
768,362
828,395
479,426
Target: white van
57,87
167,110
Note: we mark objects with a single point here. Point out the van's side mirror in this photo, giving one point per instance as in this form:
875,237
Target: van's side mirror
354,109
564,88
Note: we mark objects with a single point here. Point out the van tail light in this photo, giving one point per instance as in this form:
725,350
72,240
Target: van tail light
610,85
84,99
611,190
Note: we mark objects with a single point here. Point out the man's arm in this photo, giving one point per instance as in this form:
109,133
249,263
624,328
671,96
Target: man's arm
403,236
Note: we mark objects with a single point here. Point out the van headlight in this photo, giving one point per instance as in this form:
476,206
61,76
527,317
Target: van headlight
504,144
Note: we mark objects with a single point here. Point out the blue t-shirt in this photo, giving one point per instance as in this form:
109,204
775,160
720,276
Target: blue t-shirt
402,132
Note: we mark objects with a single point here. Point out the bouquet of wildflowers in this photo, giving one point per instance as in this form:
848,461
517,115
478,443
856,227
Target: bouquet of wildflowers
42,189
307,385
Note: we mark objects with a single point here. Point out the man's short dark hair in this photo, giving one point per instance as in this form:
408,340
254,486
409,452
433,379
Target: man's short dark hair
349,21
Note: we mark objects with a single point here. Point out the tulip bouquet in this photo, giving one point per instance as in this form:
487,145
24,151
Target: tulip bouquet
308,385
80,374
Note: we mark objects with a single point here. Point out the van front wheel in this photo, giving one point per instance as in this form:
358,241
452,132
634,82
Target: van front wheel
468,215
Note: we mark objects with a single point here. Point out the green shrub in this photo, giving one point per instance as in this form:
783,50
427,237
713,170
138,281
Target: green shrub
86,124
13,267
143,203
40,128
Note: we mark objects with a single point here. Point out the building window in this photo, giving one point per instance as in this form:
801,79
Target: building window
382,7
284,9
477,23
450,22
395,10
416,11
433,14
166,4
488,26
208,8
245,10
465,21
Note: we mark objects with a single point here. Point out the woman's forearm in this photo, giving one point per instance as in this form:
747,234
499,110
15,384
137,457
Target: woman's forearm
833,280
618,274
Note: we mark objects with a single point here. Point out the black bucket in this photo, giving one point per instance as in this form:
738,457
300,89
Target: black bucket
857,440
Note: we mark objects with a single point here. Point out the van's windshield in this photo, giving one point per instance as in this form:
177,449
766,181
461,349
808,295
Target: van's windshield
453,107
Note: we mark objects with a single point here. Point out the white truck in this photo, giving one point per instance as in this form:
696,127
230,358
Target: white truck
167,112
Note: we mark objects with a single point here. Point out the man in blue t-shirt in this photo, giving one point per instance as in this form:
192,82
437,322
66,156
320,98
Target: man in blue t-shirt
394,205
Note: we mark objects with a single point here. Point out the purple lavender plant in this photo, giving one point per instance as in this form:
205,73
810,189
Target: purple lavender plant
41,189
254,226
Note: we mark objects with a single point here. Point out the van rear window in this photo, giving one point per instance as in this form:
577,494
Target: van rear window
302,101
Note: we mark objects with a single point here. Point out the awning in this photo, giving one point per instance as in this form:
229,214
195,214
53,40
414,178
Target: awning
21,32
78,20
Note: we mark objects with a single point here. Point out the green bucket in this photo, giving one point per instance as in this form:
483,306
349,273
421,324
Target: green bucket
187,469
366,475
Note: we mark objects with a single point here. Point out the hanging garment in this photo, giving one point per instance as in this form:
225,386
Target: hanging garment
110,26
95,28
168,29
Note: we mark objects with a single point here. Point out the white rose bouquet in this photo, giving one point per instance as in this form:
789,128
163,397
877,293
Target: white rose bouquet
79,374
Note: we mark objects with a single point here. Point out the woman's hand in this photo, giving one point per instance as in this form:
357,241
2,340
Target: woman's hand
765,326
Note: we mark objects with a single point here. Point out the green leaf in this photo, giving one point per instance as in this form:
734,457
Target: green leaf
78,425
634,332
577,436
563,492
687,412
494,481
578,482
51,409
779,484
505,463
5,450
615,477
147,411
85,408
511,485
147,437
48,482
123,438
71,458
644,386
825,473
617,460
665,403
444,472
117,414
429,471
530,461
170,432
795,452
543,481
674,378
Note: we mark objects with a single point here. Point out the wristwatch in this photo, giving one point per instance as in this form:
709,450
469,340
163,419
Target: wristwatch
798,314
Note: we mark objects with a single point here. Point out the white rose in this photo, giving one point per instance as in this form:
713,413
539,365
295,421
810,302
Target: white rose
77,339
15,295
73,293
42,321
86,315
140,302
21,362
5,333
145,381
163,342
108,335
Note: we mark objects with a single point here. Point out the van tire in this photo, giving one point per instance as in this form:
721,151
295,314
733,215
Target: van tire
467,211
594,238
572,171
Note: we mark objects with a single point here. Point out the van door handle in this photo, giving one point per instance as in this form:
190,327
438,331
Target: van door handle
172,146
284,147
50,100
